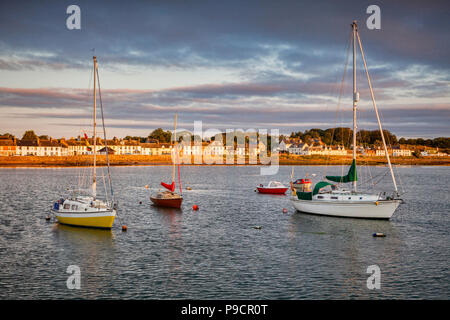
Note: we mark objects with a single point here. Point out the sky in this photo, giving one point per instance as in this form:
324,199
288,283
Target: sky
230,64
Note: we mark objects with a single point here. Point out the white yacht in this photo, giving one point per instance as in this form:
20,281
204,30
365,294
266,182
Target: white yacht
348,202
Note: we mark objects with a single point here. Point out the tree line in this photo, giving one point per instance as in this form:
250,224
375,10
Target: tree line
344,136
331,136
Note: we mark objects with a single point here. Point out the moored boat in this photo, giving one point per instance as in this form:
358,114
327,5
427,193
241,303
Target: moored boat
339,201
167,199
274,187
170,198
87,210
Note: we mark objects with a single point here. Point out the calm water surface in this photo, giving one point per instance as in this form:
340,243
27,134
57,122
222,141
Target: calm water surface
215,253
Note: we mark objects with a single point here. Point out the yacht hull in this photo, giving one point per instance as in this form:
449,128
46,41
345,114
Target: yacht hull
381,209
170,203
104,219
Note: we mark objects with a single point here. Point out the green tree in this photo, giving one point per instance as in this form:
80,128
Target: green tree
29,135
161,135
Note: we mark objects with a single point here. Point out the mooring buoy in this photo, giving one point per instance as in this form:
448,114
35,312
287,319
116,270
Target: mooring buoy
379,234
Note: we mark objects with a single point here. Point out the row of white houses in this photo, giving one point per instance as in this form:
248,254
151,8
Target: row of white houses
316,149
322,149
83,146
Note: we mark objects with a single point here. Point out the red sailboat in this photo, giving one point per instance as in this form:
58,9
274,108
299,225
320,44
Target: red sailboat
170,198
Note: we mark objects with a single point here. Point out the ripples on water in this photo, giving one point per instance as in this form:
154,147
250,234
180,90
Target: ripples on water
215,253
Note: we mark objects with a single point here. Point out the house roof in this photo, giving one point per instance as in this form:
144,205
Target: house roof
27,143
4,142
104,150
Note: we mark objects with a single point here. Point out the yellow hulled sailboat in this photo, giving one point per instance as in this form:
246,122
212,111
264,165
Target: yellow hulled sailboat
87,210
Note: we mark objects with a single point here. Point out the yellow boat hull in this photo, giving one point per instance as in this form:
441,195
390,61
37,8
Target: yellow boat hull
99,220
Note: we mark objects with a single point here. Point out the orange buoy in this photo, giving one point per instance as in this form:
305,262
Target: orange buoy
124,228
285,210
195,207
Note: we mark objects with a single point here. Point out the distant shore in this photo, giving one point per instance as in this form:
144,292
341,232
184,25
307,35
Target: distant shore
141,160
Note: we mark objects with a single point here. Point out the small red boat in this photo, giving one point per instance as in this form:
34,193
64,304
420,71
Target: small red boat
167,199
274,187
170,198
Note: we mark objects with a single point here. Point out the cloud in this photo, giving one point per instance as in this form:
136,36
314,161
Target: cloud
282,64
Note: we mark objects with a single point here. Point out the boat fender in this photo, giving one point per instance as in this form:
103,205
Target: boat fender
376,203
285,210
124,228
379,235
195,207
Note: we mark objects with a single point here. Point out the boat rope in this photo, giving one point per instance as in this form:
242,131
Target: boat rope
179,175
107,152
376,112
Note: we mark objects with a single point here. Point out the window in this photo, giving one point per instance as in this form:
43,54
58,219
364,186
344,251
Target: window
67,206
319,197
360,198
74,207
349,198
334,197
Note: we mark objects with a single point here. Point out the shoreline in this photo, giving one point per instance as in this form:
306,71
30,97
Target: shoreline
142,160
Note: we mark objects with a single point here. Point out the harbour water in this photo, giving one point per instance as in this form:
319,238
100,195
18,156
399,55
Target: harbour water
215,252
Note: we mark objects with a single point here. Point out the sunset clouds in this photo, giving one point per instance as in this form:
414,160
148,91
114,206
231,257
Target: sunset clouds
231,65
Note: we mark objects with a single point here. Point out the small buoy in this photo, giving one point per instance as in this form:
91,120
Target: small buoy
285,210
146,186
47,218
379,234
140,202
376,203
257,227
124,228
195,207
188,188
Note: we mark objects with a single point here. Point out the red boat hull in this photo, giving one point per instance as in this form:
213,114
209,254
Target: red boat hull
170,203
272,190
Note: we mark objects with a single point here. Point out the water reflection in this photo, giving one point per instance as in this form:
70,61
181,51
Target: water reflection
172,218
214,252
82,236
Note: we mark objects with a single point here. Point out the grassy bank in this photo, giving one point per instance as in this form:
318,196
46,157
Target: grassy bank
127,160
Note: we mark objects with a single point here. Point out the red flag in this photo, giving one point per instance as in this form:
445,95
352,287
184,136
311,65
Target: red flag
85,136
170,187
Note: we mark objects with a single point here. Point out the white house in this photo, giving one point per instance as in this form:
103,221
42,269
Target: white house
300,149
400,152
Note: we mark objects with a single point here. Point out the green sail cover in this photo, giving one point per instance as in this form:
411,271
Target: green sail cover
351,175
304,195
319,186
309,195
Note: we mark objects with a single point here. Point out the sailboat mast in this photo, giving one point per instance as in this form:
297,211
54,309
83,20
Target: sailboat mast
94,181
173,148
355,96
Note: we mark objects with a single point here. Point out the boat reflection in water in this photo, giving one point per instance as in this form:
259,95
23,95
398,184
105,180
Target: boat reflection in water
92,250
83,236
